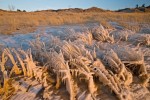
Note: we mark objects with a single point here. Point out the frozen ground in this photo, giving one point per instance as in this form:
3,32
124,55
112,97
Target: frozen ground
22,40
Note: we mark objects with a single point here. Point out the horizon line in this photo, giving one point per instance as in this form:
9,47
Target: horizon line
71,8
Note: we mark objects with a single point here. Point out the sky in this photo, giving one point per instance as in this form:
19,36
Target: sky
33,5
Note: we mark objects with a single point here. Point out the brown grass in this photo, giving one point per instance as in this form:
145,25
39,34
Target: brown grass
27,21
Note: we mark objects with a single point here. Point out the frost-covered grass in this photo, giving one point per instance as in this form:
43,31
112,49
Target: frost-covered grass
76,65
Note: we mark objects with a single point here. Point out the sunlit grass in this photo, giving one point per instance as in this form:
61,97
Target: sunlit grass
13,21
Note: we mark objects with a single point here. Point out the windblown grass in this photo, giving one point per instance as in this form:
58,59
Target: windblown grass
83,63
15,21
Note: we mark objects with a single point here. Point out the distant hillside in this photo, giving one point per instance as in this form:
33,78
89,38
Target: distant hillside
2,10
92,9
77,10
138,9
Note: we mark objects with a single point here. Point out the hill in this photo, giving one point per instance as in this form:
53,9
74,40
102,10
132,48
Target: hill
76,10
137,9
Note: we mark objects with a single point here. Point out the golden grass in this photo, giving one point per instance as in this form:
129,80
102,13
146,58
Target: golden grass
15,21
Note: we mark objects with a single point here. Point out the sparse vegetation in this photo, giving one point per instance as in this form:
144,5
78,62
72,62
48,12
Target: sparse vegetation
18,10
11,7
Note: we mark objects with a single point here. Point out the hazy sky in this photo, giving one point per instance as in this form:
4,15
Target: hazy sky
31,5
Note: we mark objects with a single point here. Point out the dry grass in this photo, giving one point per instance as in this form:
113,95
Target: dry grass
16,21
82,63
